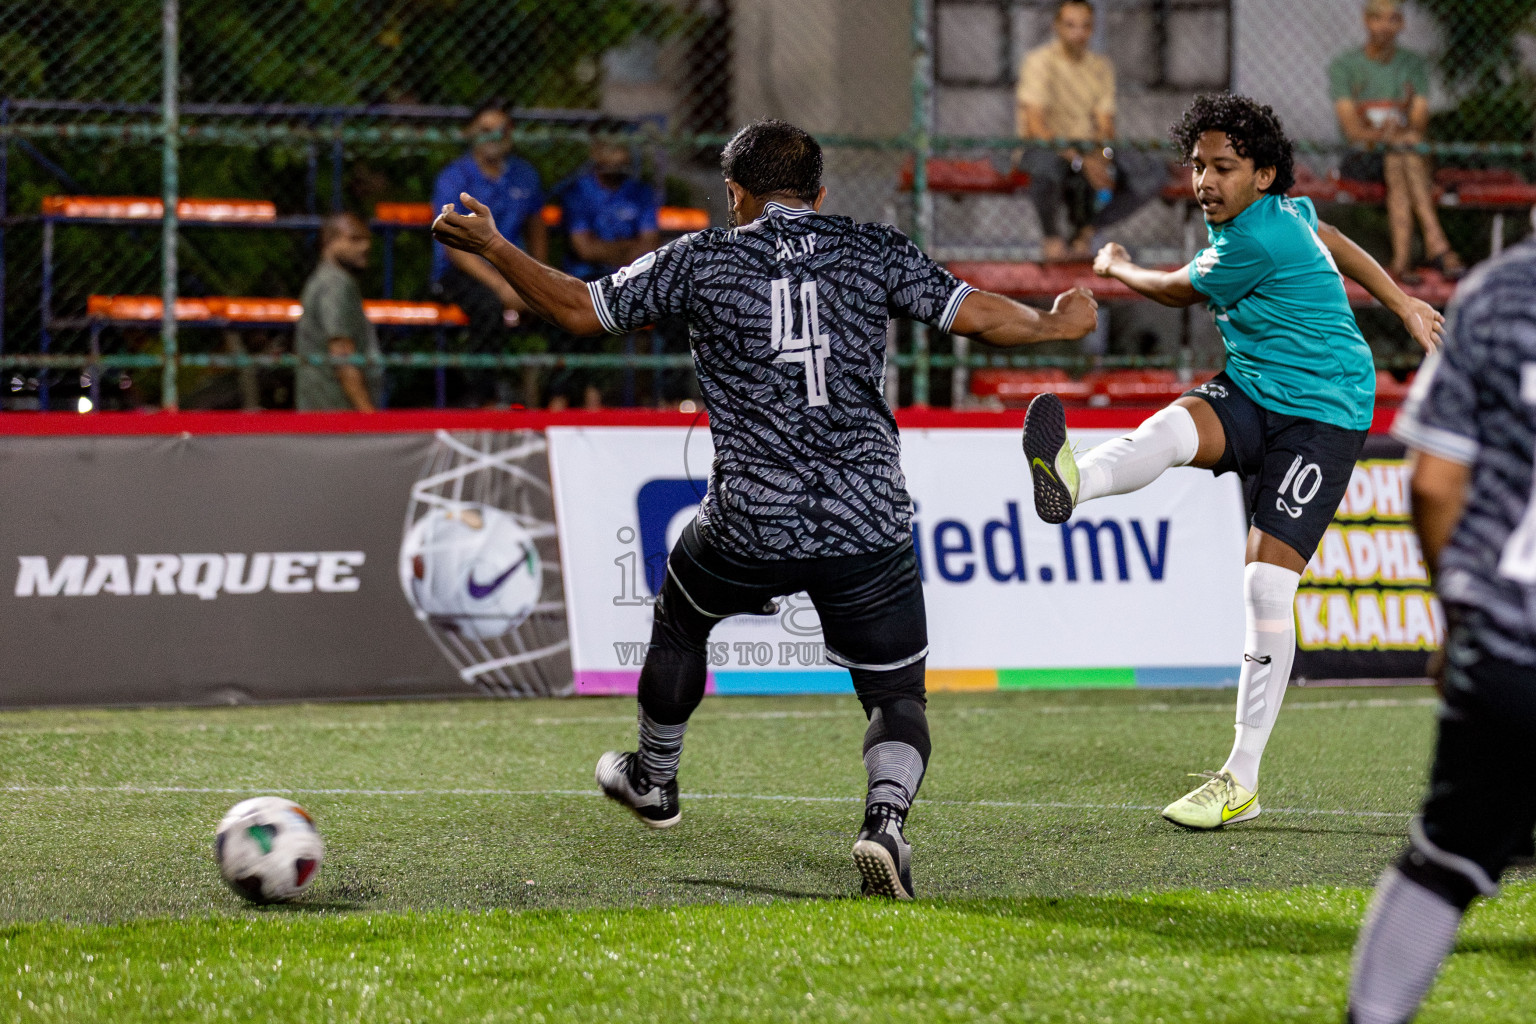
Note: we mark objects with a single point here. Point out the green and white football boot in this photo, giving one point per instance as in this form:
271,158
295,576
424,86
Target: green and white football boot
1052,464
1219,801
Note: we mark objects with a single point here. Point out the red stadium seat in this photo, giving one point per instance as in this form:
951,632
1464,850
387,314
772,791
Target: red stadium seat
1389,390
1038,281
965,176
1371,192
1496,194
1455,177
1145,387
1314,186
1017,387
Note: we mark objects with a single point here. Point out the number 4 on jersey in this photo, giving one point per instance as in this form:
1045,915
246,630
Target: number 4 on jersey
811,348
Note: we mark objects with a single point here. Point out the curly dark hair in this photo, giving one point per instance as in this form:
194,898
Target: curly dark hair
773,157
1253,128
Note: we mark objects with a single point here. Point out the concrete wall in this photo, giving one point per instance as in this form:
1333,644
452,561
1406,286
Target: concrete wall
842,67
966,45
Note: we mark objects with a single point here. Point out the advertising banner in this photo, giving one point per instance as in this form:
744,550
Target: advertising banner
1365,608
1137,590
273,566
232,568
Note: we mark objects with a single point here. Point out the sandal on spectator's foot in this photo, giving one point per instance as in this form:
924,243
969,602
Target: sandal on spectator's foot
1449,265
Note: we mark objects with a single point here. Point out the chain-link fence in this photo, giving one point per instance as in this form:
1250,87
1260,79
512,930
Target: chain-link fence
305,108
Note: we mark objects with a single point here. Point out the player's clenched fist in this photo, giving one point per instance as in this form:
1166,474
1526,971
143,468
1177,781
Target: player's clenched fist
1077,312
473,232
1108,256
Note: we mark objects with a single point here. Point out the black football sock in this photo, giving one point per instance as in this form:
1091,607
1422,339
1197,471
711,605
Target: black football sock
896,752
661,747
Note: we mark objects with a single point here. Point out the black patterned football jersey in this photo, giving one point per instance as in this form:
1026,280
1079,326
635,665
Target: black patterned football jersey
787,318
1474,403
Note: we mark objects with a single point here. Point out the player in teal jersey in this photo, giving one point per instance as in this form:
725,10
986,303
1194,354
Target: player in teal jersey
1288,415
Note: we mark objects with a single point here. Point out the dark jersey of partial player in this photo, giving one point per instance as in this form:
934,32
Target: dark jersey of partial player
1474,403
787,319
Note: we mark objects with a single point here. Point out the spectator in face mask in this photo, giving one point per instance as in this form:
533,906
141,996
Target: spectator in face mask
611,217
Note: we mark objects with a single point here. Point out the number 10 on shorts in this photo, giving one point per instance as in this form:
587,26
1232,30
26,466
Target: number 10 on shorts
1302,481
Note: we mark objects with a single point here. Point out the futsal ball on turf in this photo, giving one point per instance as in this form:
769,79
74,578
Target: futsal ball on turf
472,569
268,849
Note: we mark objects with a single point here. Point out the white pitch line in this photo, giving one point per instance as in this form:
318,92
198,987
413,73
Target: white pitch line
708,716
771,798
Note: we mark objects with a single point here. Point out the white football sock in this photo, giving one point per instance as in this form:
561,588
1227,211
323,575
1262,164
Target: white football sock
1269,647
1168,438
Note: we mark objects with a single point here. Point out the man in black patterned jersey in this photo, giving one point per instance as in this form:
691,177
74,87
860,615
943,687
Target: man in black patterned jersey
1470,427
787,315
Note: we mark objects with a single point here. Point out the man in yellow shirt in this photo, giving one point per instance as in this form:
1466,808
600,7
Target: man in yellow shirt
1067,92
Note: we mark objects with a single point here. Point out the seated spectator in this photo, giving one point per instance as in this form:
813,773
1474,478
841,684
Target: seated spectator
333,324
611,217
1380,95
511,188
610,214
1068,92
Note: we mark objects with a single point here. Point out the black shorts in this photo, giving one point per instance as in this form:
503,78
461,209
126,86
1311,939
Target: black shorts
873,620
1294,470
1481,804
1370,167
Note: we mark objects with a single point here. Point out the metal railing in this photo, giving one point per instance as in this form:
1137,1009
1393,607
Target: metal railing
314,108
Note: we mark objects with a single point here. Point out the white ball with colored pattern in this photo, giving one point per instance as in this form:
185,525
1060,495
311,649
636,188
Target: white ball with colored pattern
268,849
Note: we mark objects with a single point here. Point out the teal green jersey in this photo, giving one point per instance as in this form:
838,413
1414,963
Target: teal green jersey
1291,339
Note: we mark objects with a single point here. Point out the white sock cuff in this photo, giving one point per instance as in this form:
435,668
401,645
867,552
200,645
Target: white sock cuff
1176,424
1270,593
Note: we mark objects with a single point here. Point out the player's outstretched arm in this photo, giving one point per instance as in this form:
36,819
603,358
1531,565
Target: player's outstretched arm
1168,287
1001,321
557,297
1423,321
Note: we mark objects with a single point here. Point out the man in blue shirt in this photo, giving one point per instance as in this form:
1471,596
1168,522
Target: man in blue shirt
611,217
1288,415
510,187
610,214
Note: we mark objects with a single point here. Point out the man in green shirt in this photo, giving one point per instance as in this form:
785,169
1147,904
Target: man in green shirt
1380,94
333,324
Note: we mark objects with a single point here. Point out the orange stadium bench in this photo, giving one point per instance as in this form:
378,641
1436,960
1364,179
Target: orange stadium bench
263,311
210,211
669,219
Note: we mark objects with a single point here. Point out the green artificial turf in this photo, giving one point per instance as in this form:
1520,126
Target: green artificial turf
471,873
